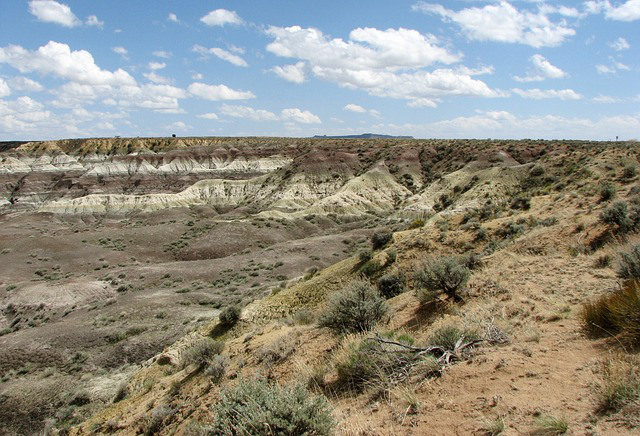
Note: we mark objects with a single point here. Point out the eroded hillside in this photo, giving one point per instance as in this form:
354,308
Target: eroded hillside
119,254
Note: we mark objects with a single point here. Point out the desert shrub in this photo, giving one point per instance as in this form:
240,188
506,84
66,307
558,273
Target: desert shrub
619,383
630,171
391,284
310,273
363,362
303,317
607,191
365,255
256,407
537,170
216,368
602,261
157,420
229,315
380,239
521,202
370,268
356,308
448,336
617,215
201,353
629,263
472,261
444,274
510,230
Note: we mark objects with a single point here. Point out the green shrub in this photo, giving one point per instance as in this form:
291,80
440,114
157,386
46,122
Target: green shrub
617,215
365,255
629,263
380,240
370,268
258,408
620,383
229,315
364,362
448,336
510,229
157,420
630,171
391,284
472,261
417,223
607,191
216,368
537,170
201,353
521,202
356,308
444,274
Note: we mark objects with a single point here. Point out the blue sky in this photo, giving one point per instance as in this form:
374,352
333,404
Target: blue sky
430,69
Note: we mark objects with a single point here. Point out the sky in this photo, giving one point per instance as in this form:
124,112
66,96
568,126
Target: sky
429,69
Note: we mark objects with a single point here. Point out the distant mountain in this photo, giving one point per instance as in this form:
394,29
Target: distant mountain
363,136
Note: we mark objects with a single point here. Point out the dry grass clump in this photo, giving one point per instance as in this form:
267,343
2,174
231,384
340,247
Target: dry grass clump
550,426
614,313
620,383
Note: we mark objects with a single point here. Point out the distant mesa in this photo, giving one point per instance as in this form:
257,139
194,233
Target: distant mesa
363,136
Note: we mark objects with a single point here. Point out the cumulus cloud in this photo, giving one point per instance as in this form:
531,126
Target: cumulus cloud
386,63
539,94
606,99
162,54
157,65
625,11
290,115
620,44
292,73
157,78
57,59
4,89
25,84
220,17
121,51
209,116
504,23
238,111
502,124
93,21
218,92
50,11
222,54
613,68
299,116
173,17
542,69
351,107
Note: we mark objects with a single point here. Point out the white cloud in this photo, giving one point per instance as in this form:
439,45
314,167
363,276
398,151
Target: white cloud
367,48
157,65
50,11
424,102
220,17
627,11
58,59
162,54
619,44
501,124
222,54
173,17
354,108
351,107
542,69
4,89
606,99
93,21
24,115
504,23
603,69
382,63
178,125
218,92
25,84
538,94
197,76
293,73
299,116
209,116
121,51
247,112
157,78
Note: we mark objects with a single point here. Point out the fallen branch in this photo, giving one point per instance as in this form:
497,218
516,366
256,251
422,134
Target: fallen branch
445,356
